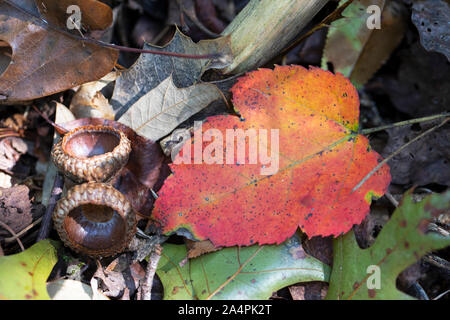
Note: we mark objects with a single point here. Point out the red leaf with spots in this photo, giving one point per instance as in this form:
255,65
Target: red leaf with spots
321,159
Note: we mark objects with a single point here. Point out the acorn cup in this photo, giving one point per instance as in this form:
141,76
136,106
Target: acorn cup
91,153
95,219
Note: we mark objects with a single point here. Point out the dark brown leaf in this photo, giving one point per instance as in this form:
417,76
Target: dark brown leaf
46,61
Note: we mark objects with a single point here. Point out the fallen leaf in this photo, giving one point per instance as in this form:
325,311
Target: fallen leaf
248,273
425,161
27,272
319,156
89,102
46,61
421,86
15,209
5,180
67,289
150,70
402,241
197,248
95,14
11,148
357,51
161,110
431,18
309,291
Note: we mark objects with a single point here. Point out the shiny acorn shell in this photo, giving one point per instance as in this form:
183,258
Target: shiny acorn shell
90,237
111,149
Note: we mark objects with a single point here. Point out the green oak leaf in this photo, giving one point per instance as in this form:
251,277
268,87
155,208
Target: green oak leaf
402,241
23,276
246,273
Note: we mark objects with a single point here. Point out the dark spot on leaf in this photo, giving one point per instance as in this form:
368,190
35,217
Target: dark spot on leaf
372,293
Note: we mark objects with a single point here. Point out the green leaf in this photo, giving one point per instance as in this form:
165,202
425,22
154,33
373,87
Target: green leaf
249,273
402,241
23,276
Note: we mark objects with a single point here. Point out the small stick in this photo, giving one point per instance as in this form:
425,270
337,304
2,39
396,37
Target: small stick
391,199
396,152
5,226
46,224
404,123
438,262
18,235
61,130
441,295
146,288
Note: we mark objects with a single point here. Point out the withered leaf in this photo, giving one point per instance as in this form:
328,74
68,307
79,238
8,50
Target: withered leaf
161,110
150,70
431,18
15,209
45,61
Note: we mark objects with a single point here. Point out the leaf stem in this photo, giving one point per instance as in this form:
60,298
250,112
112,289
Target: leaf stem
393,154
405,123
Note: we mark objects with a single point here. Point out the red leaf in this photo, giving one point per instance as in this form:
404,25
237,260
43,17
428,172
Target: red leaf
321,159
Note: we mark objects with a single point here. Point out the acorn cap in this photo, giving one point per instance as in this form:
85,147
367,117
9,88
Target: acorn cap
91,153
95,219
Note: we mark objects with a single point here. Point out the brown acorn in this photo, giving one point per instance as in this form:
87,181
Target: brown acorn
91,153
95,219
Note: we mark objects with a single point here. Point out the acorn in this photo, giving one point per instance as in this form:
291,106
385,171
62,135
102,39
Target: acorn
95,219
91,153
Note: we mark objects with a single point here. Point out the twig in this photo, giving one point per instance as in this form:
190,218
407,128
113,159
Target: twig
391,199
18,235
5,226
418,290
61,130
109,45
396,152
405,123
146,287
437,261
46,224
441,295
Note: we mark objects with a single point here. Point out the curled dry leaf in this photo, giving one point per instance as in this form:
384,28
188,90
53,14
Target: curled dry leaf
11,148
89,102
47,61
